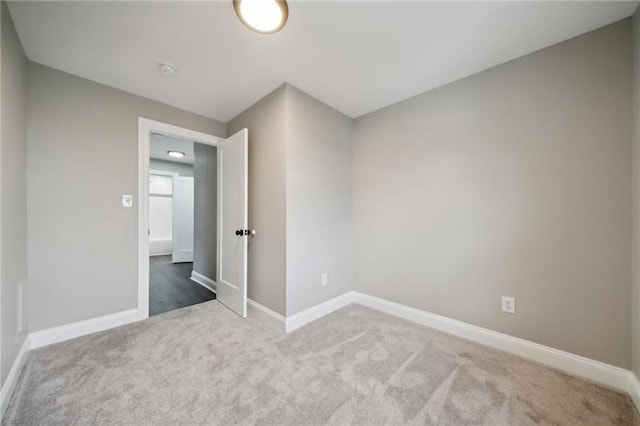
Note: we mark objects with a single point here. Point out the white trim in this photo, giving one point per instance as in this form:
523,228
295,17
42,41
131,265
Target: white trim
145,127
204,281
265,314
576,365
144,141
177,131
294,322
163,173
14,374
81,328
160,247
233,294
634,389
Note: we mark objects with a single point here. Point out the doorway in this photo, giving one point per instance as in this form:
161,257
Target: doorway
202,181
177,220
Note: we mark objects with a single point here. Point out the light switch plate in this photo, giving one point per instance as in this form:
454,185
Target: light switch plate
127,201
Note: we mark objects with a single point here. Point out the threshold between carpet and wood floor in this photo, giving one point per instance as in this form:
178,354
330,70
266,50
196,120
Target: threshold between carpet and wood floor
205,365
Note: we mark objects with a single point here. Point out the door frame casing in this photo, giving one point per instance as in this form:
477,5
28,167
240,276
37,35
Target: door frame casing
145,127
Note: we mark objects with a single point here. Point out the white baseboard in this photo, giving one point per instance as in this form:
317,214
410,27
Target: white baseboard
634,389
599,372
270,317
204,281
160,247
294,322
14,374
576,365
81,328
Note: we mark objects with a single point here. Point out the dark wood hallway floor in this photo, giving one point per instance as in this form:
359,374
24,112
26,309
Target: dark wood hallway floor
170,286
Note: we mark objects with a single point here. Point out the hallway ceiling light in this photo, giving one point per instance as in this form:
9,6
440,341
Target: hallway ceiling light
175,154
263,16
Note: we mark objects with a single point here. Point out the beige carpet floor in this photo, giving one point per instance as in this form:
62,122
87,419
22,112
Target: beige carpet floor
205,365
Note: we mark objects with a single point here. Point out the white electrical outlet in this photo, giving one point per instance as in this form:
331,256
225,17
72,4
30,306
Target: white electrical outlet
509,304
325,279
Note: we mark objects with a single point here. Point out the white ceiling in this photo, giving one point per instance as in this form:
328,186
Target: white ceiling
355,56
160,144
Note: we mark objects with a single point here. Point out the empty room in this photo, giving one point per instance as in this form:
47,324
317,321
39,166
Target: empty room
269,212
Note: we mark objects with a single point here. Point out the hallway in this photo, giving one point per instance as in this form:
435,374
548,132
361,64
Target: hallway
170,286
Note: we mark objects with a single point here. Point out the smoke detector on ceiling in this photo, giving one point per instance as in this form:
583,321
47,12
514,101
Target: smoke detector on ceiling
167,69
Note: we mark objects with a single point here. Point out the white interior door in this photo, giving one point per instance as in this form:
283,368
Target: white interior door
233,232
182,219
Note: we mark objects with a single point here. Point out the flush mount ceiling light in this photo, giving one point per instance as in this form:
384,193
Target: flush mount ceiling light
263,16
175,154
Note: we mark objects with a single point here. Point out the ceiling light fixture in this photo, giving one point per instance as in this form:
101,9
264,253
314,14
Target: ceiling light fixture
263,16
175,154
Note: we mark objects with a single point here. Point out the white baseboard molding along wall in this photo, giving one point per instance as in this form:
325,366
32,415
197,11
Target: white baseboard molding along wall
634,389
265,314
204,281
81,328
12,378
160,247
596,371
58,334
576,365
294,322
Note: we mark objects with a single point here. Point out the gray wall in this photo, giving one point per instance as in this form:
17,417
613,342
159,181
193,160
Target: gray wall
82,156
205,210
318,201
299,200
169,166
13,214
267,198
514,181
635,253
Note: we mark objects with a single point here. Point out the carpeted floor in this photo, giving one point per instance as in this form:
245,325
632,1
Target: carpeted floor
205,365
